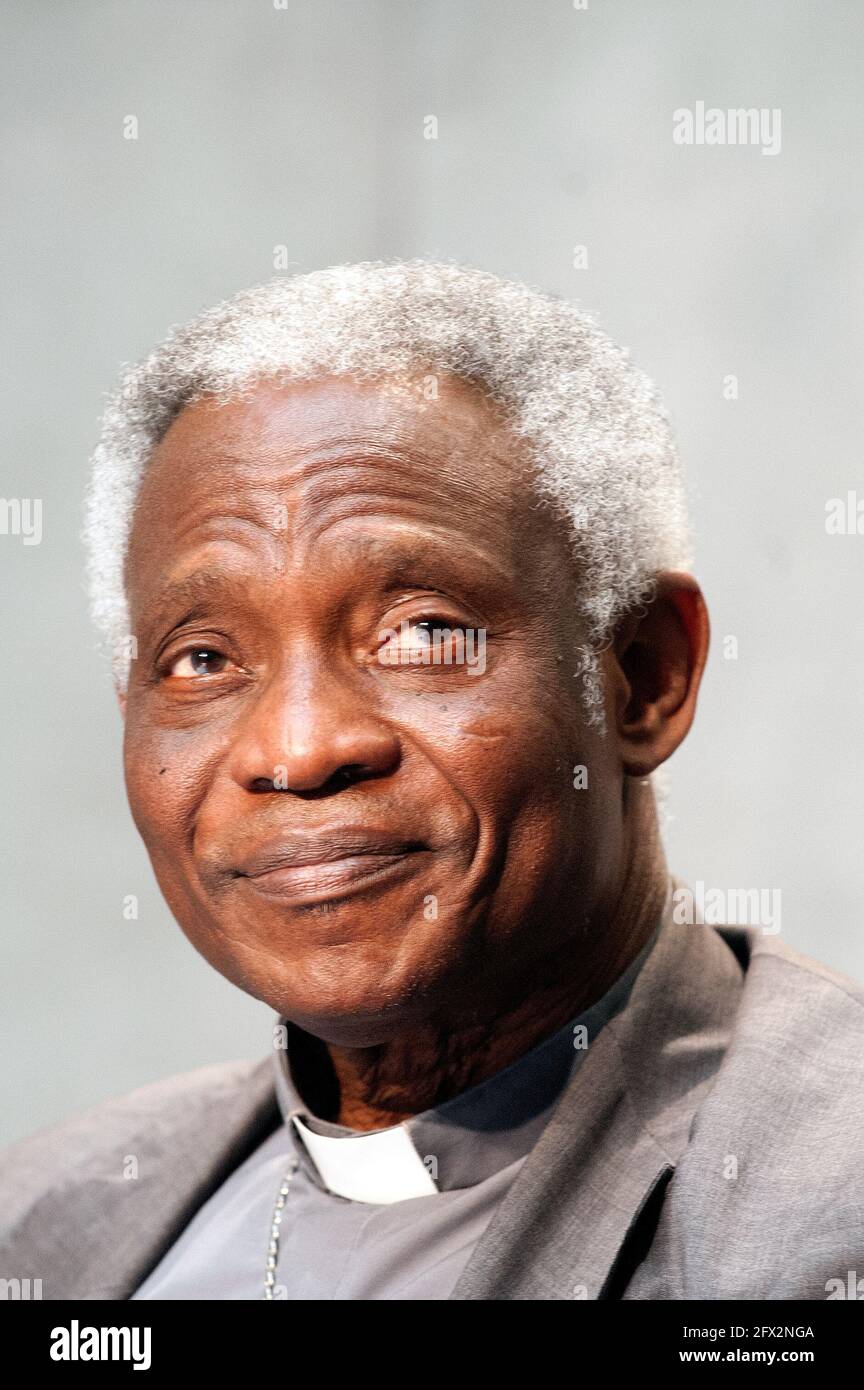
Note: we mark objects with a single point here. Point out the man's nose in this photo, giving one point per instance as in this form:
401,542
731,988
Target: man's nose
309,730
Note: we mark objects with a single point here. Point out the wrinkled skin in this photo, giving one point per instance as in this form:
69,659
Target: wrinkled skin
274,540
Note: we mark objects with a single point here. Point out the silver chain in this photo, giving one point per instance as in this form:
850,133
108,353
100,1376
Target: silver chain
275,1231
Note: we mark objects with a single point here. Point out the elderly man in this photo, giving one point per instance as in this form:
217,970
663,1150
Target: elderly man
393,563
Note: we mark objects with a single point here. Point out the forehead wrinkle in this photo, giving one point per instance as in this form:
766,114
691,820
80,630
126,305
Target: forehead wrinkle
337,472
401,471
237,532
231,527
324,479
328,491
319,514
269,435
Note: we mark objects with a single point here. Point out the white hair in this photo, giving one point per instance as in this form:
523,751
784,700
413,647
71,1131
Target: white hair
589,422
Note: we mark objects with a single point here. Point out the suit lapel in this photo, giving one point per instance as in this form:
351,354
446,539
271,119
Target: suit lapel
617,1132
561,1226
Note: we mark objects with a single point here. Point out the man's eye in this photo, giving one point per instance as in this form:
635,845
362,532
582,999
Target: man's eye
200,661
420,633
430,642
426,632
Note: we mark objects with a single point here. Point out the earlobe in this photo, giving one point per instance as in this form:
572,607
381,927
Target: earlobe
657,661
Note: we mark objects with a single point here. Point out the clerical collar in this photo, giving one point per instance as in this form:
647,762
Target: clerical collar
454,1145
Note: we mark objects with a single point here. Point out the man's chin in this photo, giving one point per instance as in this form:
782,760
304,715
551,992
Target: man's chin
361,1017
341,980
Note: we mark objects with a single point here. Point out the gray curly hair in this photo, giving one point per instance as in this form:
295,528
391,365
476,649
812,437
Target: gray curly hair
590,423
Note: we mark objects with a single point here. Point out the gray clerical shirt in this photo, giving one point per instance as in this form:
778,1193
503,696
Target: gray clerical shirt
435,1181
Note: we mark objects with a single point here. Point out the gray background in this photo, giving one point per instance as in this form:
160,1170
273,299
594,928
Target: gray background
261,127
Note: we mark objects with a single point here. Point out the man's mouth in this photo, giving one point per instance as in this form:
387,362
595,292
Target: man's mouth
308,868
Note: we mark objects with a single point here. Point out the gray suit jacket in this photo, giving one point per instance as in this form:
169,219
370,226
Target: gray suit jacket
710,1146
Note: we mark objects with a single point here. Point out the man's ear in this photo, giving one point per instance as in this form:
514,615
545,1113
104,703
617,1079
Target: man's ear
653,670
121,700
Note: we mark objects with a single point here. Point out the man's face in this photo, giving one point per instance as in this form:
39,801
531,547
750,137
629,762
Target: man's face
361,842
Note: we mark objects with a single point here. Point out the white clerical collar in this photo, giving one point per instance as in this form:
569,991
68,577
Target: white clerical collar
382,1166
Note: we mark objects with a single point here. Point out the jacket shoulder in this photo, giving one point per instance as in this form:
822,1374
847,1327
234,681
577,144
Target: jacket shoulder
93,1153
105,1125
809,1017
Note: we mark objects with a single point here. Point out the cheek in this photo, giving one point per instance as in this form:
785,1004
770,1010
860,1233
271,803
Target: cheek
546,795
165,772
511,765
539,779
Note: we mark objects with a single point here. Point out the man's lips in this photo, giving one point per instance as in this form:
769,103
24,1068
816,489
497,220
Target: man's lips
326,865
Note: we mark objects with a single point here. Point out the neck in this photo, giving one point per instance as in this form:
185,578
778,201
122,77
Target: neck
385,1084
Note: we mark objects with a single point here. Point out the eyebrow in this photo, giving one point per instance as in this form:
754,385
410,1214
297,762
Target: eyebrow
410,560
199,587
464,574
192,597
